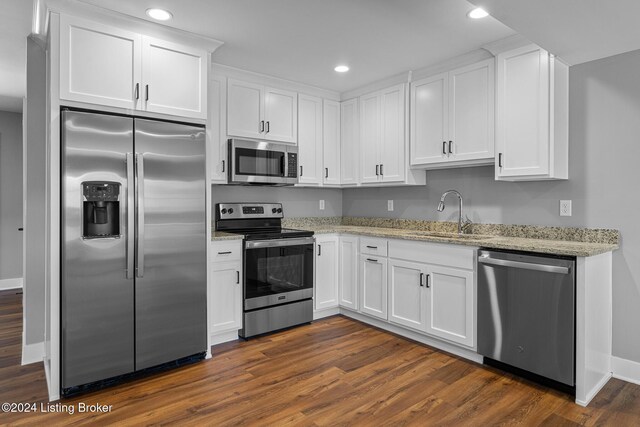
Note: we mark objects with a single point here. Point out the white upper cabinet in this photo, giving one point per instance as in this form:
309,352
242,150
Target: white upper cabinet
216,129
452,117
369,138
349,142
175,78
256,111
331,142
531,116
109,66
309,140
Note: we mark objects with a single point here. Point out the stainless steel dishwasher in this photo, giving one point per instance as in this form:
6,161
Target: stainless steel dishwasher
526,313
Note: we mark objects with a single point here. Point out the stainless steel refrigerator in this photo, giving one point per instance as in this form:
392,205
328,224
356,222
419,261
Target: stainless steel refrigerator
133,285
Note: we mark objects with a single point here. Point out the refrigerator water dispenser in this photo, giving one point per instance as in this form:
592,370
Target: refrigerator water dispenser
100,209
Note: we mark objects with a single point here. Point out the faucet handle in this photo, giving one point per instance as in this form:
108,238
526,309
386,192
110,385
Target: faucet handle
466,225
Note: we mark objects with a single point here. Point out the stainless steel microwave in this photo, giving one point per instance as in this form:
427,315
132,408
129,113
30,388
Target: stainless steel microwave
262,163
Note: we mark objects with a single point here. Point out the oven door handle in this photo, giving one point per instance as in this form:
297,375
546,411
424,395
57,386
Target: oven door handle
276,243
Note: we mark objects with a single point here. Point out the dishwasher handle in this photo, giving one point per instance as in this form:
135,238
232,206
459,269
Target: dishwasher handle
485,259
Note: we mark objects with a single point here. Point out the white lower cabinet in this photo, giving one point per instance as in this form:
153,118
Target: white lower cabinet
450,304
348,272
225,296
407,299
326,286
373,286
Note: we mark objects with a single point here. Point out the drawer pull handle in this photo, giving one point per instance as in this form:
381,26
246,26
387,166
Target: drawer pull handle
372,260
372,247
224,253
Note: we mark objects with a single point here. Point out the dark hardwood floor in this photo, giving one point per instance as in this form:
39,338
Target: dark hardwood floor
334,372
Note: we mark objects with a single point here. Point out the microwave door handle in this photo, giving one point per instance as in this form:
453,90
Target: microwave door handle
283,165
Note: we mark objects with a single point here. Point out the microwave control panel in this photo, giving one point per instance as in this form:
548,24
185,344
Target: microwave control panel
292,163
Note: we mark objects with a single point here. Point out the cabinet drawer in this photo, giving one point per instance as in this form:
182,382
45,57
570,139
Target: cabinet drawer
226,250
433,253
373,246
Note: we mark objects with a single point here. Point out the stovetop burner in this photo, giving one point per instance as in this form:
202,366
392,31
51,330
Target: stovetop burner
256,221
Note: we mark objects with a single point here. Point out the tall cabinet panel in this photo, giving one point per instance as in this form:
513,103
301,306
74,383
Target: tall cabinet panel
309,140
331,142
171,267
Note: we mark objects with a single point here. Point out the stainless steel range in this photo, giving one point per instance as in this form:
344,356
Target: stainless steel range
278,266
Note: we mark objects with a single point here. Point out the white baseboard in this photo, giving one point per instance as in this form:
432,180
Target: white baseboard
594,391
626,370
325,312
223,337
11,283
32,353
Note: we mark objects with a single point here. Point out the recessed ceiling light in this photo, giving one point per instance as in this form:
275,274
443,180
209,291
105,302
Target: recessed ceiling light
477,13
159,14
341,69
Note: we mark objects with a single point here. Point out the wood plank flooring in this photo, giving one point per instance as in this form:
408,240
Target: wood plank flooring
335,371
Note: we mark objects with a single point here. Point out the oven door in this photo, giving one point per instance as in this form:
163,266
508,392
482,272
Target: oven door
277,271
259,162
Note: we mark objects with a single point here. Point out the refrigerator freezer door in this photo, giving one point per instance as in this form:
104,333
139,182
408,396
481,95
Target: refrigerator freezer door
171,272
96,296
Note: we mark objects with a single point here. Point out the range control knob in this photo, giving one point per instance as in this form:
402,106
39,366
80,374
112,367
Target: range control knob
279,210
230,211
274,210
223,211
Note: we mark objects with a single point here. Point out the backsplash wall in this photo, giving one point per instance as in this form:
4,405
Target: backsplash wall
604,132
295,201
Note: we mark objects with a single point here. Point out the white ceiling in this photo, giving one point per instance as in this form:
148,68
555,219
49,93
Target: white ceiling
577,31
15,26
303,40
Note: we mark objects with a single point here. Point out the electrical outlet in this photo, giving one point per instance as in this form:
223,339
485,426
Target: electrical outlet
389,205
565,207
321,205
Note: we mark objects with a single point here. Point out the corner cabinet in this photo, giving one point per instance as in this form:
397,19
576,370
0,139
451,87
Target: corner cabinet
349,142
138,73
260,112
531,116
331,143
452,118
326,286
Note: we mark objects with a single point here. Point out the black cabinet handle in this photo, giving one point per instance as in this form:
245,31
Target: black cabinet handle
237,277
372,247
261,126
428,281
267,131
137,91
377,170
146,92
319,250
20,229
381,170
300,170
450,150
500,160
421,277
224,253
223,166
326,172
372,260
444,147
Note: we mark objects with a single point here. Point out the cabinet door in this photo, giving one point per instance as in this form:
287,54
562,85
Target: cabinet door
522,112
174,78
450,304
407,299
310,140
217,129
369,138
392,145
244,109
331,142
471,111
225,304
326,287
349,142
89,74
373,286
429,127
280,115
348,272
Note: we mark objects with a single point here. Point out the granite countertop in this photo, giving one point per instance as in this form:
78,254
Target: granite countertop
221,235
569,241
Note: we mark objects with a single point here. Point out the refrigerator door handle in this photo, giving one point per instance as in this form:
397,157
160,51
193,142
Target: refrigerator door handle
130,215
140,215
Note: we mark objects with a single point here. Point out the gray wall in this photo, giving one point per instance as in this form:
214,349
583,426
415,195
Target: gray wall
296,202
10,195
604,184
35,139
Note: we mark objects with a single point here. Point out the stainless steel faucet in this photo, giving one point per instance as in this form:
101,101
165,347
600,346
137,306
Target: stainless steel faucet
441,206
